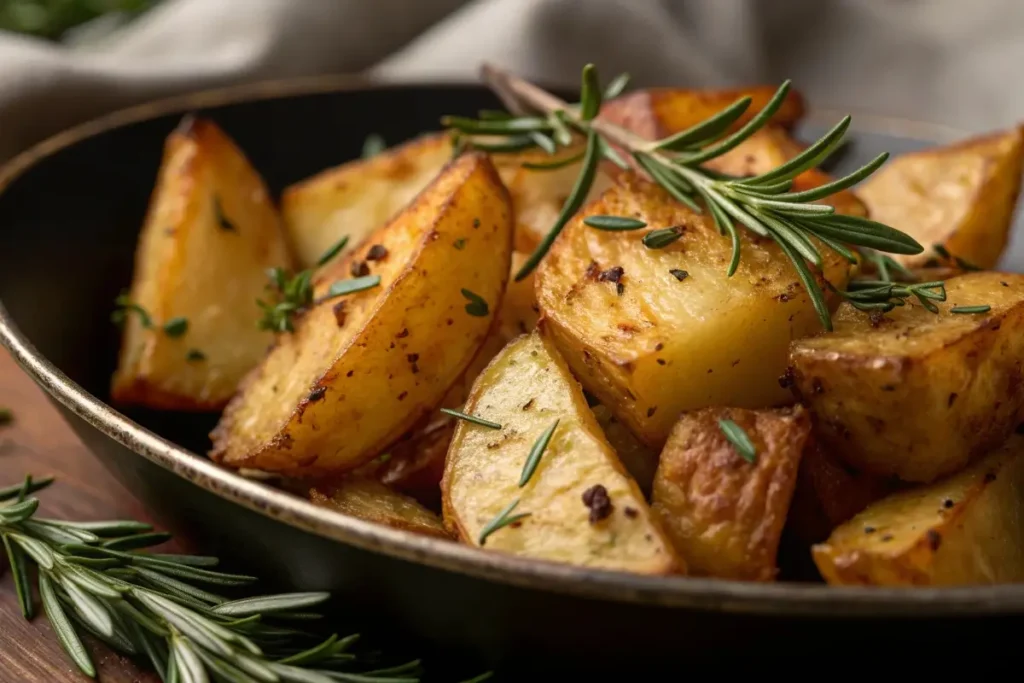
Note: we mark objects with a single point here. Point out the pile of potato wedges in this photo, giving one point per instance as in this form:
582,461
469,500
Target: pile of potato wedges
602,385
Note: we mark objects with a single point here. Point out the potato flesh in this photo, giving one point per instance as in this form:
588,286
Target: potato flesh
190,265
962,197
330,397
725,515
525,389
962,530
374,502
919,395
666,345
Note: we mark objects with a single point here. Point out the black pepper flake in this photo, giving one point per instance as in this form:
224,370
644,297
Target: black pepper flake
948,503
951,400
817,387
876,318
412,357
787,379
659,346
359,269
613,274
593,270
1003,284
651,410
661,361
886,538
339,313
317,394
630,512
401,396
869,529
783,298
350,373
377,252
888,387
934,539
990,477
679,274
619,288
596,498
403,334
476,222
528,404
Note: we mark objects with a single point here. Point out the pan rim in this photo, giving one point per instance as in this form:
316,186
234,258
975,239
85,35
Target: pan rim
701,594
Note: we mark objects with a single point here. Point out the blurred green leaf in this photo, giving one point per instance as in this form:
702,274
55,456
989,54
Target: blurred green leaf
51,18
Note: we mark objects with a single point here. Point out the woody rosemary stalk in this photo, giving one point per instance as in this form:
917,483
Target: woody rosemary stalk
762,204
95,578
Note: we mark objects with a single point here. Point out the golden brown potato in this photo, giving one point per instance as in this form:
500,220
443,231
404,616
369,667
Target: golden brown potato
659,112
915,394
639,460
830,492
359,372
210,234
962,196
583,507
373,501
358,197
654,332
771,147
724,514
965,529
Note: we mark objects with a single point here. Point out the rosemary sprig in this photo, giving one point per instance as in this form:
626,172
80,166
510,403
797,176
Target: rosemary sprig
501,520
762,204
471,418
291,296
151,605
739,440
880,295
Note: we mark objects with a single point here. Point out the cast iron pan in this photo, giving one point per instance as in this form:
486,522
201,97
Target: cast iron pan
70,212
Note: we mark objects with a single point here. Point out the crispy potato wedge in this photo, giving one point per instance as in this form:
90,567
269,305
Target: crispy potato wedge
358,197
658,112
914,394
654,332
771,147
525,389
373,501
962,196
639,460
830,492
210,234
964,529
358,373
725,515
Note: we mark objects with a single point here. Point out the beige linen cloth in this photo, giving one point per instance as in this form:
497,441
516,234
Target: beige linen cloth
956,62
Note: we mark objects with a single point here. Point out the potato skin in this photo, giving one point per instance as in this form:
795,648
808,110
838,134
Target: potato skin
374,502
189,263
962,196
962,530
918,395
724,514
525,389
656,343
330,397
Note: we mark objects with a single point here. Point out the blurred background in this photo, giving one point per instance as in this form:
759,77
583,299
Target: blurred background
950,62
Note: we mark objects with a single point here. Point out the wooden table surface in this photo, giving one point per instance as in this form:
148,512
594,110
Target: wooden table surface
41,443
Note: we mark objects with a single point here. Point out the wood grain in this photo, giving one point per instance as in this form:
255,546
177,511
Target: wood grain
41,443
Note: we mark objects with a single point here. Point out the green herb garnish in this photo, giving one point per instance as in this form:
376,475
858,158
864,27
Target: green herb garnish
739,440
762,204
476,306
333,251
614,223
292,295
175,327
878,295
887,268
94,579
971,309
124,306
502,520
222,220
533,459
659,239
358,284
373,145
460,243
471,418
963,264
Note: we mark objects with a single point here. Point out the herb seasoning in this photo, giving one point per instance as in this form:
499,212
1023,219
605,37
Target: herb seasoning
176,327
471,418
614,223
596,498
333,251
739,440
222,220
476,306
533,458
501,520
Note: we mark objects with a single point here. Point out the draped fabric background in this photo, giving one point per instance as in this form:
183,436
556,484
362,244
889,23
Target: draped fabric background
955,62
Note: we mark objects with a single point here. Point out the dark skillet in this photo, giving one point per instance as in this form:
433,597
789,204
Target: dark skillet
70,211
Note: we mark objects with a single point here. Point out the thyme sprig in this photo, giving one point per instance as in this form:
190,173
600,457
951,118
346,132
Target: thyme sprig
762,204
95,578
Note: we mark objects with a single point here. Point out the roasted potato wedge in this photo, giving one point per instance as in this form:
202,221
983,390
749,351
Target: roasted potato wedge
724,514
358,197
962,197
358,373
373,501
526,389
654,332
965,529
210,234
914,394
659,112
830,492
769,148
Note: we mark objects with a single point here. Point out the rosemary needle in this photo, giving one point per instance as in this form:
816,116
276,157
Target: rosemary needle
477,306
533,459
471,418
614,223
501,520
970,309
332,251
739,439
